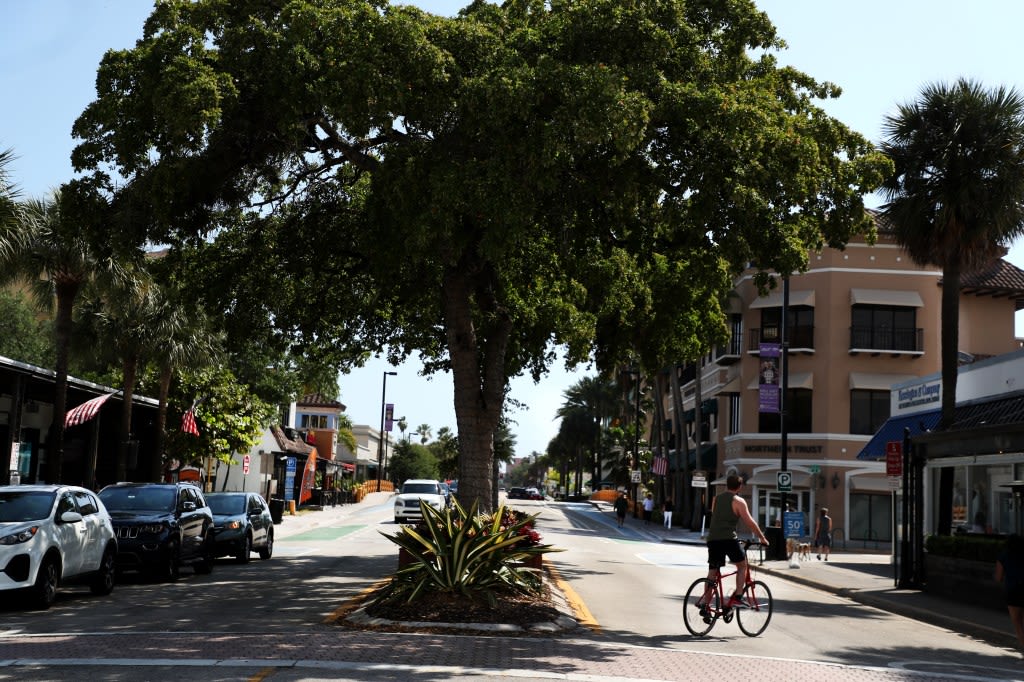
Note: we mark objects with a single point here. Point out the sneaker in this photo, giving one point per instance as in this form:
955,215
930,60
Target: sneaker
736,602
819,557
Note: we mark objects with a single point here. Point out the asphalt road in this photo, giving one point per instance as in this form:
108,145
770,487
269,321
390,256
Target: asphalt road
273,621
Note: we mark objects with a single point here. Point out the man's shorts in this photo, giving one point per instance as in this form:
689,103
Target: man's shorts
718,550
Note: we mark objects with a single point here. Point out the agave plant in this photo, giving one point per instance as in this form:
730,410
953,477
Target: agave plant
464,553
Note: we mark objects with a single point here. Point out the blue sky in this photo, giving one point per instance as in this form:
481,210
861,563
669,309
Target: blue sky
880,53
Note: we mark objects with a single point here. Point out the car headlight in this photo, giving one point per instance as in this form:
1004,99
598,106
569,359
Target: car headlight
233,525
399,503
154,528
23,535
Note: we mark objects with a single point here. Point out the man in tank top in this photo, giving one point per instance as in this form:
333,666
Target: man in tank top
727,510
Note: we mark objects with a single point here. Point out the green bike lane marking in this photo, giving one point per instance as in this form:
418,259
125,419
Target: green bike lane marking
319,534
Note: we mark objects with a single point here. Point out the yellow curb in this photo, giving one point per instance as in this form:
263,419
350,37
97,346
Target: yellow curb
583,615
352,603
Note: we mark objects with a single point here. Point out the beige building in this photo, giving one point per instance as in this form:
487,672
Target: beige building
859,321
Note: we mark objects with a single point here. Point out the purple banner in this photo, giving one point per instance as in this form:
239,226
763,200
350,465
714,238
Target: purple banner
768,378
389,416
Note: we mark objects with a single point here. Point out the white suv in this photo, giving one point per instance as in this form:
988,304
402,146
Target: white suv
407,502
51,535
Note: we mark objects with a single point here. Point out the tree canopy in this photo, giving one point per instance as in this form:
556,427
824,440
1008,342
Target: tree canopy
479,189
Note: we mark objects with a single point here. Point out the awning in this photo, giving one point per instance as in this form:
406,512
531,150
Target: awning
905,299
348,467
892,430
796,380
774,299
877,382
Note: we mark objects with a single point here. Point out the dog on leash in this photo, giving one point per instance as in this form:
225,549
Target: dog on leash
804,551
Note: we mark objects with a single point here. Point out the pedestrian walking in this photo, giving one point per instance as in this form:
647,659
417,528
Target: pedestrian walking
648,509
621,506
823,534
667,510
1010,572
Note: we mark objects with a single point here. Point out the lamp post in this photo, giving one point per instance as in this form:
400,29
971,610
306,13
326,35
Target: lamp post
380,440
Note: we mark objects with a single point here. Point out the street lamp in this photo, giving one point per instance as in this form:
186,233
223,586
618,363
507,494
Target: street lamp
380,441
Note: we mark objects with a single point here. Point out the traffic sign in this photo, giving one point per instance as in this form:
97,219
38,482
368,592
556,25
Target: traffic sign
634,476
699,480
246,461
784,481
894,458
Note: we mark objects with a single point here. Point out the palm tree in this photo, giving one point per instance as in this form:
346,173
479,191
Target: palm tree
588,404
423,431
49,254
8,194
957,195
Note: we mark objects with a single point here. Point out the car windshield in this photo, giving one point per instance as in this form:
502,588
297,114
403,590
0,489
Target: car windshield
226,504
25,506
421,488
139,499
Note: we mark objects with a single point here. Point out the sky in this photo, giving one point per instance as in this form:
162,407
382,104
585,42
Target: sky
879,53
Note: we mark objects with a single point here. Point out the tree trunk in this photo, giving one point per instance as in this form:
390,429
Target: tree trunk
62,326
479,379
679,429
950,332
130,370
156,461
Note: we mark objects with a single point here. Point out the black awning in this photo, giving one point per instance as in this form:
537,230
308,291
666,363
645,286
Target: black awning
892,429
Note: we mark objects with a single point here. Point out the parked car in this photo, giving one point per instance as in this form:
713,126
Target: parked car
517,493
446,489
51,535
160,527
533,494
407,502
241,525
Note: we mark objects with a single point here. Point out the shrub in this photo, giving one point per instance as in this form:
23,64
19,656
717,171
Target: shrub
465,553
965,547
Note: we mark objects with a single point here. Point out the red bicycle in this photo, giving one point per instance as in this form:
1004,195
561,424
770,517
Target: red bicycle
706,602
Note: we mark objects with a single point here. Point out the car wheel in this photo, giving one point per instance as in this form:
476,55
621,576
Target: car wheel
244,549
205,565
44,592
168,570
103,582
267,550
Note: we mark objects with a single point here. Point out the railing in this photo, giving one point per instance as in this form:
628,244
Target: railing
800,336
729,352
887,339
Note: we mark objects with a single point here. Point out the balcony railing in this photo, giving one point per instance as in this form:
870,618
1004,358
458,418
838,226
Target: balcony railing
801,337
730,352
887,339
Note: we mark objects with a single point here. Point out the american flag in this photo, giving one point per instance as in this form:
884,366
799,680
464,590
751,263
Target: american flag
188,422
660,465
85,411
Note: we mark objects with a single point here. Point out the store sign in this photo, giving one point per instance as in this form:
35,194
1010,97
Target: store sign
894,458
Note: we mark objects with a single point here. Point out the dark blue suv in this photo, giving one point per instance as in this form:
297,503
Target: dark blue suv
160,527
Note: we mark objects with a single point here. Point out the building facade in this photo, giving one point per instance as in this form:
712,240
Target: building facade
857,322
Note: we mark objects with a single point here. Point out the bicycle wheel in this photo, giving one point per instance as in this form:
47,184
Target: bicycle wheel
698,620
753,619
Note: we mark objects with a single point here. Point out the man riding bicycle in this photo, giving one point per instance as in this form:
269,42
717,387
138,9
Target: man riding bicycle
727,510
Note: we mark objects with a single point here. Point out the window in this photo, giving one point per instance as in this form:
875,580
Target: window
880,327
868,410
314,421
86,503
734,413
870,517
799,326
798,414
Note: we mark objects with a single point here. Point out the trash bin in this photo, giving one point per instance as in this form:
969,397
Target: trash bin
276,509
776,544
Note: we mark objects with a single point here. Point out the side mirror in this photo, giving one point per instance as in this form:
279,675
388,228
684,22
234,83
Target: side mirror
70,517
188,506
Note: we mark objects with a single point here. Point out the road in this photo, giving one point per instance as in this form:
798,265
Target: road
272,621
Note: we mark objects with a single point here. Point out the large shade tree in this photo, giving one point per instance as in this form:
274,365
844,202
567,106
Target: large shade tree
956,199
479,189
